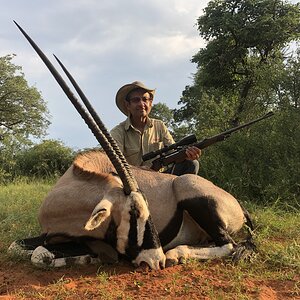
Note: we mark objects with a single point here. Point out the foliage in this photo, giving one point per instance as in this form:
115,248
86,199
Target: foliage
9,146
244,71
23,112
23,115
47,159
246,35
287,83
162,112
260,164
50,158
246,44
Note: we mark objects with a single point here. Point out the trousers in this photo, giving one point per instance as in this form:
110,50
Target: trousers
185,167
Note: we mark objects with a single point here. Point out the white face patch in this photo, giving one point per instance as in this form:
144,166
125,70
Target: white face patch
134,201
141,206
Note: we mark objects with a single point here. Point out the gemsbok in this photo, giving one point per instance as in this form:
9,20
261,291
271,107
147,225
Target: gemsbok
102,207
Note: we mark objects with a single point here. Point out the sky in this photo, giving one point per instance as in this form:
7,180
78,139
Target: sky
104,45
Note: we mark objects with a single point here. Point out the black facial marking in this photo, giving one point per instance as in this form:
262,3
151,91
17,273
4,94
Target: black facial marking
111,234
151,239
132,249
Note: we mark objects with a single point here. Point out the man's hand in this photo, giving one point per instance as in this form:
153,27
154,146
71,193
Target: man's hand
192,153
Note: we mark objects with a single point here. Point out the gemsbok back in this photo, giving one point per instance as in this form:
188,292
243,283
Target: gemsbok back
102,207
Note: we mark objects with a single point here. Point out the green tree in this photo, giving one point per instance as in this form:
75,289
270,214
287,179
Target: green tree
260,164
287,85
23,112
246,44
8,165
162,112
245,70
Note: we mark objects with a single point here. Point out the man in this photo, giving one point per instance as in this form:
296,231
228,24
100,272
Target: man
139,134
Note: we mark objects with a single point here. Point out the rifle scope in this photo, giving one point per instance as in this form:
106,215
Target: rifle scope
190,139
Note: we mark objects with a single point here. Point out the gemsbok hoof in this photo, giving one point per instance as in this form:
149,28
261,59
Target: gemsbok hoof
41,257
17,248
171,263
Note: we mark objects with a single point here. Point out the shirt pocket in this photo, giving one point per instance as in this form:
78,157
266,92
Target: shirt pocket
156,146
132,151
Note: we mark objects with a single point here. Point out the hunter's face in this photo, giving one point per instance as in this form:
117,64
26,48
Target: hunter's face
139,103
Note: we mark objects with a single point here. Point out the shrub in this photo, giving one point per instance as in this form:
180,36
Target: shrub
260,164
47,159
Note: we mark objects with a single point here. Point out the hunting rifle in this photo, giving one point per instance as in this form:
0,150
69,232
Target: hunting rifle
179,155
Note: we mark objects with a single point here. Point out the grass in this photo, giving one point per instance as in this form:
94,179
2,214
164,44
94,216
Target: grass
276,235
19,204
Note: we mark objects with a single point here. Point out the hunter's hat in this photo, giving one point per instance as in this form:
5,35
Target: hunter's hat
125,90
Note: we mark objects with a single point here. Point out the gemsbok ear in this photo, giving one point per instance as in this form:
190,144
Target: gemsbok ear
100,213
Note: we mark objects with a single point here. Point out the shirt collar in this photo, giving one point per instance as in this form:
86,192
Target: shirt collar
128,123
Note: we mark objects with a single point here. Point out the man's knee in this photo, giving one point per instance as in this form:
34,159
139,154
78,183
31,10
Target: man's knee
186,167
192,167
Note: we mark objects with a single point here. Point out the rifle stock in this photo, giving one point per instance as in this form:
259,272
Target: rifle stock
180,155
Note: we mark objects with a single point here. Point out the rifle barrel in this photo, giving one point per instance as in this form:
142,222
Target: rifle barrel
179,156
267,115
223,135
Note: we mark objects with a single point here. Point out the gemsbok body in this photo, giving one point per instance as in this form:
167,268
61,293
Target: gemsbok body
155,218
189,212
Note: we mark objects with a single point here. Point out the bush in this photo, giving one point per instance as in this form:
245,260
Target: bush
260,164
47,159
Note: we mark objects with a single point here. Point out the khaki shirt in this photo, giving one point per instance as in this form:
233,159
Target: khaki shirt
135,144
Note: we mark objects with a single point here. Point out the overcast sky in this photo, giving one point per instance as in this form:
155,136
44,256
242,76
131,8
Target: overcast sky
104,44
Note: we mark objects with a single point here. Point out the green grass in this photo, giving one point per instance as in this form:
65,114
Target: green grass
277,236
19,205
277,231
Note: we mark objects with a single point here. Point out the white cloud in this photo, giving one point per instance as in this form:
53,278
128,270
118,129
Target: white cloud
104,44
165,49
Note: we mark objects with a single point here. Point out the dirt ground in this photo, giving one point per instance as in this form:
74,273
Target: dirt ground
23,281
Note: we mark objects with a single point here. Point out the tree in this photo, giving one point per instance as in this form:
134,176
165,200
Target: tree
23,112
260,164
288,84
246,43
162,112
245,70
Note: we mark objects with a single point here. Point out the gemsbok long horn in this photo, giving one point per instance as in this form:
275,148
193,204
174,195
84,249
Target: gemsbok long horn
129,183
95,116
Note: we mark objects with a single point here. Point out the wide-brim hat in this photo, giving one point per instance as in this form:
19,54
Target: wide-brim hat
125,90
